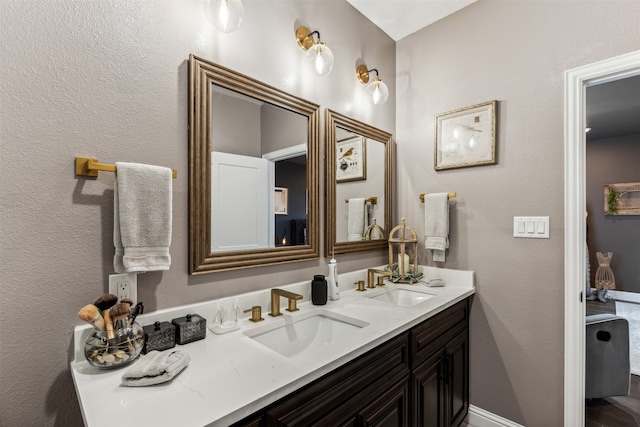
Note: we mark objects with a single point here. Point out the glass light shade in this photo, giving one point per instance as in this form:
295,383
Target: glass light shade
320,58
225,15
377,92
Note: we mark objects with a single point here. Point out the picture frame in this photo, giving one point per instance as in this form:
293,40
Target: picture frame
281,201
351,159
622,198
466,137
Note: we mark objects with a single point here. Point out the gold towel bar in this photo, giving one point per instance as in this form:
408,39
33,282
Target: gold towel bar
451,196
373,200
90,167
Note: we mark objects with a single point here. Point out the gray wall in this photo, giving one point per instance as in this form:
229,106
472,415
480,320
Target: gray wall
108,79
610,161
515,52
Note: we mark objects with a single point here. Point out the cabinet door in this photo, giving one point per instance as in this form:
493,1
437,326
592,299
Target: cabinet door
391,409
457,382
429,392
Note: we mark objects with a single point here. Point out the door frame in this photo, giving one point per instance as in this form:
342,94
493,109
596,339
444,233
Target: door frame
576,81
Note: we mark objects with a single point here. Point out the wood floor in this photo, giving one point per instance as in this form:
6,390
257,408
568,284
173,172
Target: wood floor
618,411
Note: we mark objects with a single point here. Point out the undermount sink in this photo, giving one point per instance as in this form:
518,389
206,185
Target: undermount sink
403,297
292,336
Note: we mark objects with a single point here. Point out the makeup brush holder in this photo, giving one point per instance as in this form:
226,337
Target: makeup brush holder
107,350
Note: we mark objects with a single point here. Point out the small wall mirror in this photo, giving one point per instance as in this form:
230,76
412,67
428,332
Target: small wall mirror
253,172
359,174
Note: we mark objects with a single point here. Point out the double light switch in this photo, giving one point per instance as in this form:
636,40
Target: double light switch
532,227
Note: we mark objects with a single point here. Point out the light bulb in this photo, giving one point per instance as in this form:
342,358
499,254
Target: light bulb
320,58
377,92
225,15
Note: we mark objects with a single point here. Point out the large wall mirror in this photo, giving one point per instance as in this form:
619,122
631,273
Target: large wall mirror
359,174
253,172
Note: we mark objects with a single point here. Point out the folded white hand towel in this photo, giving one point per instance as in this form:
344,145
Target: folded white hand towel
155,367
436,221
356,220
142,218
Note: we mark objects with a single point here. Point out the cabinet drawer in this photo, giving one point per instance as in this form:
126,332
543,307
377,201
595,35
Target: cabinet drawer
432,334
355,383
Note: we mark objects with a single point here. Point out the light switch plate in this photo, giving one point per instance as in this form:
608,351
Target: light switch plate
531,227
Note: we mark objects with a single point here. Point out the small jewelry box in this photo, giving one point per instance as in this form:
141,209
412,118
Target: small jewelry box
189,328
159,336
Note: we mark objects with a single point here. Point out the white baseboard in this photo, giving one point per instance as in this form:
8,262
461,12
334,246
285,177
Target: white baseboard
478,417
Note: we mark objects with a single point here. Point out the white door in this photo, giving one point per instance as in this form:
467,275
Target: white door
242,214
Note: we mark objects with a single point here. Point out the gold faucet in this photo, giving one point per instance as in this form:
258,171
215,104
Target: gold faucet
275,301
370,274
256,313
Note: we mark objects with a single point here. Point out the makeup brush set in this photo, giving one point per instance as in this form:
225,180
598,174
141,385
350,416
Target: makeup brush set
117,339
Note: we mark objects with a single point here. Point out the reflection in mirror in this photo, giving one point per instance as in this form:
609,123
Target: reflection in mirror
359,178
253,172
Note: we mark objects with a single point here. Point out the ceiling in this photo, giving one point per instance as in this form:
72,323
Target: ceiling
613,108
399,18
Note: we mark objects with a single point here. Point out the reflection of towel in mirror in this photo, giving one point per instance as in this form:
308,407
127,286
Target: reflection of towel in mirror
357,219
436,222
155,367
142,218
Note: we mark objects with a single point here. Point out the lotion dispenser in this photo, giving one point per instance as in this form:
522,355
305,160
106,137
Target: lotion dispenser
332,285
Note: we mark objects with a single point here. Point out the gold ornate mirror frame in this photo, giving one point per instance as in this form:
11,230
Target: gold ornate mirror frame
334,120
202,76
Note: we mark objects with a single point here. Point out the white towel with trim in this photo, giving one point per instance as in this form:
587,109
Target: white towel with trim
436,222
142,218
356,219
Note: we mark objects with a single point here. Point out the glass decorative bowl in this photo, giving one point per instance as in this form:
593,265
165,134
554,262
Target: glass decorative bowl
107,350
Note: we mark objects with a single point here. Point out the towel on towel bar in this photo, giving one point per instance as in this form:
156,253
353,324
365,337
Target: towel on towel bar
356,219
436,222
142,218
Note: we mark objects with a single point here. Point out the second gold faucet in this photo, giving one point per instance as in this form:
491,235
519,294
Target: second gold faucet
275,301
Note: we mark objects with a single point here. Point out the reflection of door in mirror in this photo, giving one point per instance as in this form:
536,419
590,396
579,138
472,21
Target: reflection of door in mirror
237,115
264,142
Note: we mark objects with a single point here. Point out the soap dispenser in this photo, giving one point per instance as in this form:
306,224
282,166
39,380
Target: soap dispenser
332,282
318,290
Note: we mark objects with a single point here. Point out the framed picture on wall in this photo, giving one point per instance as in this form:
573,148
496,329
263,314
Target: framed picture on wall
622,198
351,159
466,137
281,200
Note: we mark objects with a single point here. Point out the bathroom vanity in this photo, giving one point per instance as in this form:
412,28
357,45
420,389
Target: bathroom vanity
393,355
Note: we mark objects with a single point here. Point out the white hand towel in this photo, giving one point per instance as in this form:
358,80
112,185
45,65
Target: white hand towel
142,218
155,367
436,222
357,220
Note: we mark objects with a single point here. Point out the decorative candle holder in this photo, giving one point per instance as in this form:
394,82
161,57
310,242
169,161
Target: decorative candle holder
403,254
374,232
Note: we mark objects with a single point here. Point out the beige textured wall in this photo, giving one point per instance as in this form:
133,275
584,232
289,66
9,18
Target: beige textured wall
108,79
515,52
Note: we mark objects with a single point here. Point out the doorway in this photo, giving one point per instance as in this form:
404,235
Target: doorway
576,81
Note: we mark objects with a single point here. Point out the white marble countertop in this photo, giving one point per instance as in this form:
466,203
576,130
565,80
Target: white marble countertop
231,376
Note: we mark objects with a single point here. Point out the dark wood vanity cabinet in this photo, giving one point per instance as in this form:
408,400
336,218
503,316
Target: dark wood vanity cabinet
369,391
440,368
419,378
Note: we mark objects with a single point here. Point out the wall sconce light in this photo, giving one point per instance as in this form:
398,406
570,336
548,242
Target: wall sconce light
225,15
376,91
319,56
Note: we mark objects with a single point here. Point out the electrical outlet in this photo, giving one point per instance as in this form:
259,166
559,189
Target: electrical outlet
124,286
